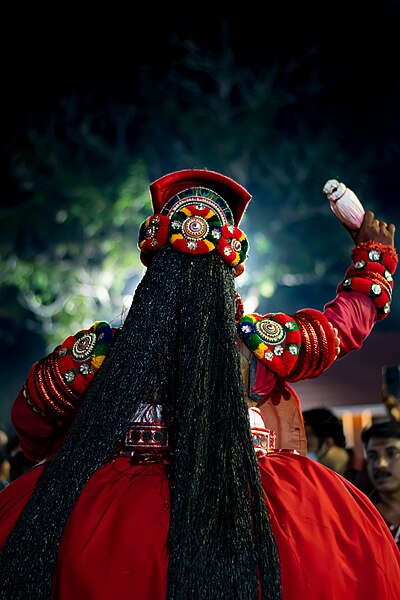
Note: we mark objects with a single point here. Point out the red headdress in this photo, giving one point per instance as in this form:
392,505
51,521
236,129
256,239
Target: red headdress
197,211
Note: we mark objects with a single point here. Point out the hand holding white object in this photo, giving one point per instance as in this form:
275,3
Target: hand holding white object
362,225
344,203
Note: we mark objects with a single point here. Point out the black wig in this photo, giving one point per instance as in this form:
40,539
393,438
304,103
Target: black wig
178,348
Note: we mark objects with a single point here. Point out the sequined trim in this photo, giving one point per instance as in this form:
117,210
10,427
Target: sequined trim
145,439
150,440
263,439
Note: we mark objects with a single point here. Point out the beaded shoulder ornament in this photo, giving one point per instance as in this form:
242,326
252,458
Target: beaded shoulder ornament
56,385
274,339
294,347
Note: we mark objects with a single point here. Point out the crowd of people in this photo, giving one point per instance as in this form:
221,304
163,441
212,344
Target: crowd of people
376,473
170,454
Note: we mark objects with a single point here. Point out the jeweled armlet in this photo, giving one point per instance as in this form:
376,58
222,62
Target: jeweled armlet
371,274
294,347
318,345
56,385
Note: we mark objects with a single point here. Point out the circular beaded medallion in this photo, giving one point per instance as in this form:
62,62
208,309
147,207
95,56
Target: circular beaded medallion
269,331
195,227
84,346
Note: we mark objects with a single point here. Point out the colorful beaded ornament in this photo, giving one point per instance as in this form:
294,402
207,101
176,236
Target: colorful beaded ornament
56,384
371,274
195,221
274,339
297,347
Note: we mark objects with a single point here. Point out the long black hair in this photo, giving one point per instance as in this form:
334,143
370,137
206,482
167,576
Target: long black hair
178,348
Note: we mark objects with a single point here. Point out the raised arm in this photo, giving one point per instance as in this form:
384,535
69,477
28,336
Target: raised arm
365,294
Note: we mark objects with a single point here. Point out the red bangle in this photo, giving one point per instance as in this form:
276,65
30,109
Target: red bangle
371,274
378,253
316,327
305,355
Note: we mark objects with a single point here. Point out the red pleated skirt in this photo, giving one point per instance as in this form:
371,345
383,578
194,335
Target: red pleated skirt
332,542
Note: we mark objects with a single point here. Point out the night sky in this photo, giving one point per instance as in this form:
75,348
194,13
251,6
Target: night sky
355,45
357,42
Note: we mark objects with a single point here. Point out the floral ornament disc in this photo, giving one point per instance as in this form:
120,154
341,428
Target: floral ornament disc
233,245
274,339
195,228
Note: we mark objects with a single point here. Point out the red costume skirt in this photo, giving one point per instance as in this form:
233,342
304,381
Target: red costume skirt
332,542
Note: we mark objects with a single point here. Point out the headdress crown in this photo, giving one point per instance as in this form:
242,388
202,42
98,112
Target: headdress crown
196,211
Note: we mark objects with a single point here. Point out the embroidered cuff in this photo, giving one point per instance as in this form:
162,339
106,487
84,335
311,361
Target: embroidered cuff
56,385
371,273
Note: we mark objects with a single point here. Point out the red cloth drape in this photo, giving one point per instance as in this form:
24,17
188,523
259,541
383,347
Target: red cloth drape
331,540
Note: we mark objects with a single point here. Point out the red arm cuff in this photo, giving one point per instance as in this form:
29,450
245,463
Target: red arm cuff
318,345
55,388
371,274
57,384
38,439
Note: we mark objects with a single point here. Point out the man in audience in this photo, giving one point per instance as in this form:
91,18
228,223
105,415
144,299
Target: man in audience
19,462
326,442
382,446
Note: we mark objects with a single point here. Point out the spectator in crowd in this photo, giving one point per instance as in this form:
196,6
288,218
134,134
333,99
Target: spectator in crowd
382,447
3,436
326,442
392,405
390,391
4,469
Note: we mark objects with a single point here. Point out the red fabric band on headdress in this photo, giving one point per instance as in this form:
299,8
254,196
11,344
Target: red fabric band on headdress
236,196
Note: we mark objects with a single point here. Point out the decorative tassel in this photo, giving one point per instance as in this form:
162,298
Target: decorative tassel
344,203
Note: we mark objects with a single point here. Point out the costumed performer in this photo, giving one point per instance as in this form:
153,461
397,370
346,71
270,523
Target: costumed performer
171,451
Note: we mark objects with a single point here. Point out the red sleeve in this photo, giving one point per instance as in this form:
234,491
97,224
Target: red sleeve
354,316
55,388
38,440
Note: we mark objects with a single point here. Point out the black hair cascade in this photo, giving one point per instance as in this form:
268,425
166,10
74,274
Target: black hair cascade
177,347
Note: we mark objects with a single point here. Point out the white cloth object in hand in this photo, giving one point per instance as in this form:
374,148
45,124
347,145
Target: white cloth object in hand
344,203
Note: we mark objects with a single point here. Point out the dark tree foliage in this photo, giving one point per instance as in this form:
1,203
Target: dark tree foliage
266,109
